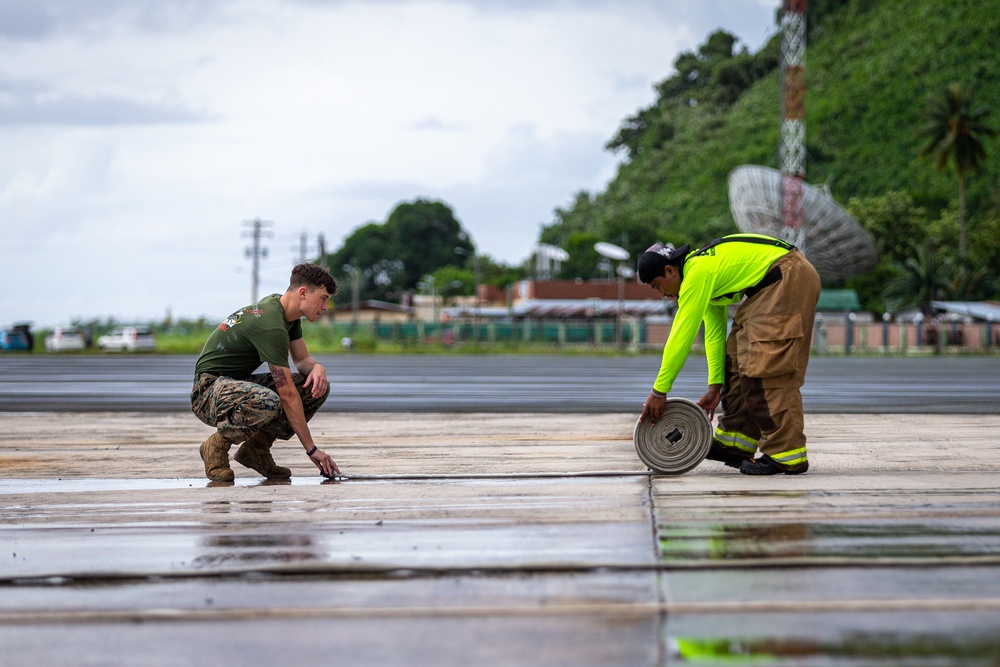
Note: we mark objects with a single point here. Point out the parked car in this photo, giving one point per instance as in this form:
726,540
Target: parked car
64,338
128,339
17,337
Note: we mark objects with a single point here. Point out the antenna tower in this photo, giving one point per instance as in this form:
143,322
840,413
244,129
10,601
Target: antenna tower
793,119
778,202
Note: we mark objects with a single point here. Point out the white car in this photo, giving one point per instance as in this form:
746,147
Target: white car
64,338
128,339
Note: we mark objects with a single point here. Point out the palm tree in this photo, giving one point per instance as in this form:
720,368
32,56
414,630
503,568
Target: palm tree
920,279
972,285
952,132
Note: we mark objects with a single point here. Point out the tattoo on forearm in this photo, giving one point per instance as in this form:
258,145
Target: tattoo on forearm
278,373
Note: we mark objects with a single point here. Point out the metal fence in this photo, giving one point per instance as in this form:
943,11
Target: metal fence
840,335
549,332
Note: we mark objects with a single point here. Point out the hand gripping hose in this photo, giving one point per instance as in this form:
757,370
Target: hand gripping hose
678,441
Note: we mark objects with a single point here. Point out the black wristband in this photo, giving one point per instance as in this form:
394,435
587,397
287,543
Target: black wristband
312,451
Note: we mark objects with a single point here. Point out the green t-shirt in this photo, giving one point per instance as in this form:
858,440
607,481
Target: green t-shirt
252,335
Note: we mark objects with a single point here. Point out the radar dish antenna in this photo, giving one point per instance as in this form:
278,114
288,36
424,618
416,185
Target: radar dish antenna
548,259
611,251
835,243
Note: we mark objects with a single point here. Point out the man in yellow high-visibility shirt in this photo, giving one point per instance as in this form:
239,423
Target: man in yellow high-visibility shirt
758,370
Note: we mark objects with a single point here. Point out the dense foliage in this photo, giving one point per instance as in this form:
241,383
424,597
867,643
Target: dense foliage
873,71
876,74
422,242
391,258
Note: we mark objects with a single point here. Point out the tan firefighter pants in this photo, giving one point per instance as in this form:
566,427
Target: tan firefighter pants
767,352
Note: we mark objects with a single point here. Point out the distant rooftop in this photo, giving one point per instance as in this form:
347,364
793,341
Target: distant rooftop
979,310
838,301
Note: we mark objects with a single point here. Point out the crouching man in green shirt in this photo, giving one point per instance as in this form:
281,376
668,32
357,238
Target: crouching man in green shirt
758,370
257,408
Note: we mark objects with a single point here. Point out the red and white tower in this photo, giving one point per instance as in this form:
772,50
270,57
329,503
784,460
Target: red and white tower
793,119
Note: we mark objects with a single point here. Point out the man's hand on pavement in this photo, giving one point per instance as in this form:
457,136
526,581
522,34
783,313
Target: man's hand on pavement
324,462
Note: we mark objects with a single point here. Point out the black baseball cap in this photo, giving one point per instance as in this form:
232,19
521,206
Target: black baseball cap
657,257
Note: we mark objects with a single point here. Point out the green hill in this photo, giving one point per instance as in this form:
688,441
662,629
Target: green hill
871,69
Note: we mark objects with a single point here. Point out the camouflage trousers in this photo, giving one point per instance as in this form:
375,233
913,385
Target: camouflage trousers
241,408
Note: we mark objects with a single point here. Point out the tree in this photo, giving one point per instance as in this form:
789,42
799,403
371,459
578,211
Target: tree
976,277
418,238
583,259
984,251
952,134
580,217
452,281
895,222
366,249
500,274
923,278
423,235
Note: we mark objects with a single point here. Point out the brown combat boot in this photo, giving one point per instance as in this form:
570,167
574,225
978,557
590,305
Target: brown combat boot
255,453
215,454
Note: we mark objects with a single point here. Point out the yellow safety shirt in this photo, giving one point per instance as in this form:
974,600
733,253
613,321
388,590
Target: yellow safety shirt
712,281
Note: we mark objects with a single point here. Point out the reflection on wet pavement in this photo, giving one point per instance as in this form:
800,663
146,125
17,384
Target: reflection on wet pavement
257,548
426,523
912,638
828,540
850,524
815,593
894,647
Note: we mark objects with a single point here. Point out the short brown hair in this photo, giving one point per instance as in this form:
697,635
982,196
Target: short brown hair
312,275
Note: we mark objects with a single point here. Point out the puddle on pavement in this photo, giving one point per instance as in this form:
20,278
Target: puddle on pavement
884,539
835,638
883,648
85,485
258,548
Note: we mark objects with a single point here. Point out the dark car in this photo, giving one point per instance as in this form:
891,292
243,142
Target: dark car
17,337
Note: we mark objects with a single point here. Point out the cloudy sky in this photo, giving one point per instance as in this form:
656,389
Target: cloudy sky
137,137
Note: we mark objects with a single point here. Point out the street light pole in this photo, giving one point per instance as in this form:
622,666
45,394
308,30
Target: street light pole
621,307
428,282
476,280
624,272
355,291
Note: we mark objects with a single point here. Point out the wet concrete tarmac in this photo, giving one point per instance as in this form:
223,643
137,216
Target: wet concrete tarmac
496,539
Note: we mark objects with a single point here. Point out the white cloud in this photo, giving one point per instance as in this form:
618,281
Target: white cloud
138,135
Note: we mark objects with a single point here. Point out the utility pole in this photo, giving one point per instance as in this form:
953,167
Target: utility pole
321,242
303,247
257,232
355,291
476,277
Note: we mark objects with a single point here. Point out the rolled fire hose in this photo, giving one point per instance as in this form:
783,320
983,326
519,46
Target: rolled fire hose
678,441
